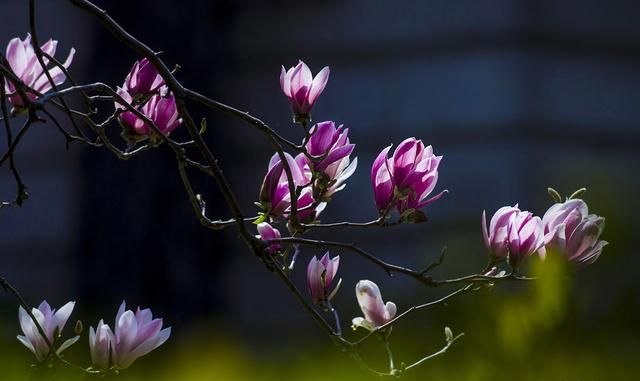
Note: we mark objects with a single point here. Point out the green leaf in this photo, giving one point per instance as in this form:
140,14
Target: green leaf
554,194
203,125
261,219
578,193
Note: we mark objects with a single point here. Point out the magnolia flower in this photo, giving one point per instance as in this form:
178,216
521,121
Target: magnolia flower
572,232
160,107
525,237
51,321
381,181
376,312
143,79
100,342
496,237
267,232
302,89
320,275
160,110
308,208
332,148
328,143
136,334
408,177
512,234
274,193
25,65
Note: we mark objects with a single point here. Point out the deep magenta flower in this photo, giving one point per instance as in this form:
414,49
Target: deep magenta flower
376,312
267,232
330,147
160,110
320,276
308,207
25,65
512,234
100,342
51,321
274,193
407,178
302,89
136,334
143,79
381,180
275,198
572,232
145,90
328,143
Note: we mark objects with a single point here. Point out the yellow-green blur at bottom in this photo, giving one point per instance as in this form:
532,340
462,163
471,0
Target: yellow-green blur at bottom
541,330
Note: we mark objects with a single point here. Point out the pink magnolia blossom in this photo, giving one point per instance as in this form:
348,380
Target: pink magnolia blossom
320,276
332,148
267,232
160,110
302,89
512,234
572,232
159,105
25,65
100,341
274,193
376,312
51,321
408,177
136,334
143,79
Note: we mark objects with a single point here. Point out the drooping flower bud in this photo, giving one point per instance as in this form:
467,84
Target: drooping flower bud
320,276
51,321
267,232
100,342
302,89
512,234
136,334
24,63
143,79
572,232
376,312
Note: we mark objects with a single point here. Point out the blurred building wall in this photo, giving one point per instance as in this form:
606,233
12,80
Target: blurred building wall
518,96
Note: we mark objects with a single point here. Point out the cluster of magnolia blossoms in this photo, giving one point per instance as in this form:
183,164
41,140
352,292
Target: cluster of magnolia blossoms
405,181
145,90
566,229
24,63
134,335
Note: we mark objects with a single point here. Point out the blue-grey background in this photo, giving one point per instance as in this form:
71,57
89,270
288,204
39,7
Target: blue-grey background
518,95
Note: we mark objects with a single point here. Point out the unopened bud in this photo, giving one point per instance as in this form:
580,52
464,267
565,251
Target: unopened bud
448,334
79,327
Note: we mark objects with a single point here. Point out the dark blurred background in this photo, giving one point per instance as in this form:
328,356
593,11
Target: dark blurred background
518,95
